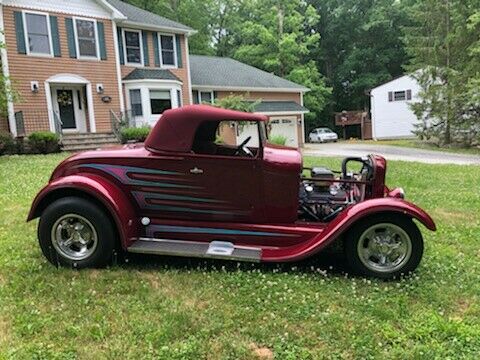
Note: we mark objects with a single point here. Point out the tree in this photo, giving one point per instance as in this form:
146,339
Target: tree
7,92
361,47
236,102
278,36
442,45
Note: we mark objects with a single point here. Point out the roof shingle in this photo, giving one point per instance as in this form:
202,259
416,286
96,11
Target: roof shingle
218,72
279,106
155,74
142,17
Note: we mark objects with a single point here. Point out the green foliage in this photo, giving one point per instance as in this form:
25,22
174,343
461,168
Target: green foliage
134,134
7,91
7,144
43,142
277,139
172,308
443,45
236,102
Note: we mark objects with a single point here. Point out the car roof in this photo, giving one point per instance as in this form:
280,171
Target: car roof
175,130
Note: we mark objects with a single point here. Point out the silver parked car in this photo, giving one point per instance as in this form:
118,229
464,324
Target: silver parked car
322,135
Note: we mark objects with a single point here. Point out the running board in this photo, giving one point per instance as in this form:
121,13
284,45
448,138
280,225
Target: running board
214,249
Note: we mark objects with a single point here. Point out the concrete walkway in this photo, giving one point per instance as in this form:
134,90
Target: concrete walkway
390,153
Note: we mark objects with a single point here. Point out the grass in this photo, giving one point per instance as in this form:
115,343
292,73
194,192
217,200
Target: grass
417,144
164,308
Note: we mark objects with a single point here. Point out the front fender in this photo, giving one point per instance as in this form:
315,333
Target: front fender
337,227
102,190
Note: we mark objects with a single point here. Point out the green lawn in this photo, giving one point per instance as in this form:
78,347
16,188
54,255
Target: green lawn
168,308
417,144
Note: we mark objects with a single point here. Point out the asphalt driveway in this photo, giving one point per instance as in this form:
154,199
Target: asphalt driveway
390,153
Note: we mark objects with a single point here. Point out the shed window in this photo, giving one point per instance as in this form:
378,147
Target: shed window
160,100
400,95
86,38
133,50
37,31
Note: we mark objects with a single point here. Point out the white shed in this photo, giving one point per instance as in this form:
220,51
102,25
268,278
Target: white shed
392,117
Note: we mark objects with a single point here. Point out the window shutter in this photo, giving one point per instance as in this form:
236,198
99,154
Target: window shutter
156,51
55,38
179,51
101,40
409,94
146,58
120,46
21,46
72,51
390,96
195,96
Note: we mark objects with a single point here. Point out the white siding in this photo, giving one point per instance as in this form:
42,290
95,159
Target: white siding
88,8
393,119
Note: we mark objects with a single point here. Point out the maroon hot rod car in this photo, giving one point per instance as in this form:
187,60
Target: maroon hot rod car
187,192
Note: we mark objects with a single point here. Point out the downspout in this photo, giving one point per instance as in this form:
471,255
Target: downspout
6,73
117,65
187,52
302,116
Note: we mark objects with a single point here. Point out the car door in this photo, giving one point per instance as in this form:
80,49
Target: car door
227,188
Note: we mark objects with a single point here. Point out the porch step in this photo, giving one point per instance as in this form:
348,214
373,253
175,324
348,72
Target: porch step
89,141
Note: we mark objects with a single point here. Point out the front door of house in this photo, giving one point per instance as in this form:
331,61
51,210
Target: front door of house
66,108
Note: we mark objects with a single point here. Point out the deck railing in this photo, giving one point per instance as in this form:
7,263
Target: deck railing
121,119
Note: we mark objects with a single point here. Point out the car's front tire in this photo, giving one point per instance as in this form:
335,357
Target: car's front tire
74,232
385,246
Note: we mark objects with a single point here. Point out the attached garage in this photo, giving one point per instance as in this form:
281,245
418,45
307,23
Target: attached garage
285,126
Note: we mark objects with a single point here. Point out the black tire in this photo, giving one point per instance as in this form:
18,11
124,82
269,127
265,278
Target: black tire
354,236
101,253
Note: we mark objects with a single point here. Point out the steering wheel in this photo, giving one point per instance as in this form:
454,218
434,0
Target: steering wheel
243,149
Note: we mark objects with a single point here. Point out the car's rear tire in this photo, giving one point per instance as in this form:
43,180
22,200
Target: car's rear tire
385,246
74,232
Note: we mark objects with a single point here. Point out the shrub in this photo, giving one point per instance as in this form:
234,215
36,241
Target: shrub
7,144
43,142
278,139
134,134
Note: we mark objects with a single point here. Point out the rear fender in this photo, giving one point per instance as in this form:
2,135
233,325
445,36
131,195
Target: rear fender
97,188
340,225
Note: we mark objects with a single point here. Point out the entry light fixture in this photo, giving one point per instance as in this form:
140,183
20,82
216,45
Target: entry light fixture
100,89
34,86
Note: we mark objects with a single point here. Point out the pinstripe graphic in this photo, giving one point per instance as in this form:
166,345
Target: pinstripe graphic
200,230
120,172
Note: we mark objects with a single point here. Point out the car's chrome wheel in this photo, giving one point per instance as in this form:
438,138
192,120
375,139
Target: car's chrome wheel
384,247
74,237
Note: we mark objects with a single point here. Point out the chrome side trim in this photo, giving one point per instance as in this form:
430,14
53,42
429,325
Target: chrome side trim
214,249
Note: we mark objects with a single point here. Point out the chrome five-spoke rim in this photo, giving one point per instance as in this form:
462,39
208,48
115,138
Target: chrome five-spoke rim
74,237
384,247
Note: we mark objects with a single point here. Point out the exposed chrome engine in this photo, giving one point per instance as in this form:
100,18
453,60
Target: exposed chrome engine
326,193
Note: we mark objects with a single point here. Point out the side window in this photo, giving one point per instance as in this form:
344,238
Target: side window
224,138
167,49
136,102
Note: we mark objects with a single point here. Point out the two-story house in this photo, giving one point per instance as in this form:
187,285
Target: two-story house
77,63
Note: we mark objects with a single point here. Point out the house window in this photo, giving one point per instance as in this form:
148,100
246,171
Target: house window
160,100
38,33
167,49
179,98
206,97
136,102
133,48
86,38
